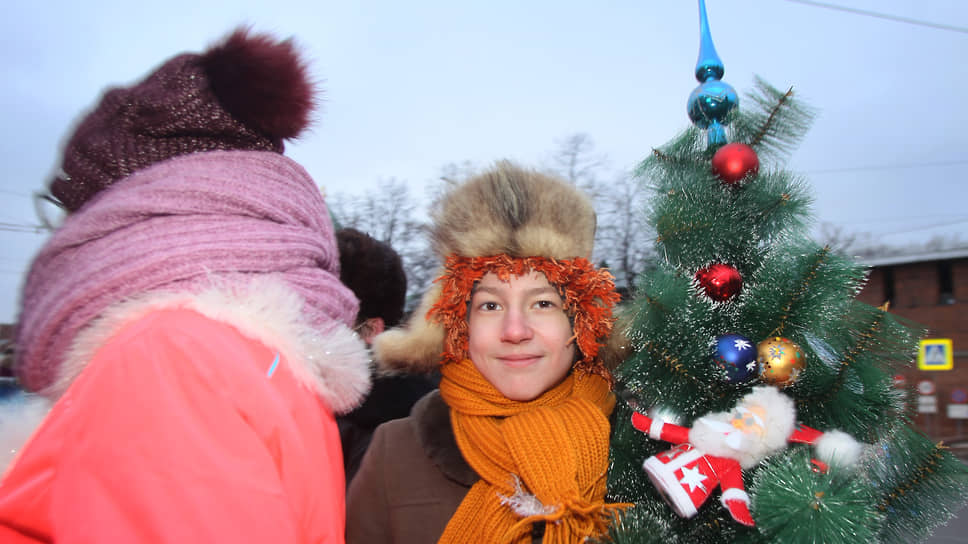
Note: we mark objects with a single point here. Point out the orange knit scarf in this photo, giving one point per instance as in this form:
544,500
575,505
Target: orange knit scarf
544,459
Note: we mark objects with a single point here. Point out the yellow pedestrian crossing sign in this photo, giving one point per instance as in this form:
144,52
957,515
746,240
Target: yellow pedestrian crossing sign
935,354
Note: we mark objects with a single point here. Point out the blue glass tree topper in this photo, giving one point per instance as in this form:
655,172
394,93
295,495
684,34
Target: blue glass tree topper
713,99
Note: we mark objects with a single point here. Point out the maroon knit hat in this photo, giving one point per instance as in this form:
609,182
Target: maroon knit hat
249,92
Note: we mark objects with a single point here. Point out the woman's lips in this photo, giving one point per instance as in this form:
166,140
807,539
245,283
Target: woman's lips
519,360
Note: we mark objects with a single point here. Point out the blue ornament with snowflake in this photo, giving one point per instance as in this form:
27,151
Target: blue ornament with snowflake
736,355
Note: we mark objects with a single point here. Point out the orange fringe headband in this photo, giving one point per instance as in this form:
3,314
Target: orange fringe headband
588,294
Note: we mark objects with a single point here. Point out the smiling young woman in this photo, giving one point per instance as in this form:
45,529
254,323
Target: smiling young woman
517,435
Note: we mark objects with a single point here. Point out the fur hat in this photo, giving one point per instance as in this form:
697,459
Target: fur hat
512,211
374,271
507,212
246,93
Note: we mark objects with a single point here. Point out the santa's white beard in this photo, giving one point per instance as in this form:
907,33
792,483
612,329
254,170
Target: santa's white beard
709,435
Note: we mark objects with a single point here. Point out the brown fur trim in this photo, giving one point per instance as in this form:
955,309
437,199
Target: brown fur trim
616,347
431,420
415,347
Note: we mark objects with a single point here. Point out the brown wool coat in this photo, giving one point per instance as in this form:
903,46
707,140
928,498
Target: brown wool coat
411,480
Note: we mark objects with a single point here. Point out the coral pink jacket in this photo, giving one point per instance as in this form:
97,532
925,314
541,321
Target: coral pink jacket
180,429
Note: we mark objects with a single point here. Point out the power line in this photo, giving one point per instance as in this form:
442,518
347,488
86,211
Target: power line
878,15
907,230
887,167
954,218
16,227
926,227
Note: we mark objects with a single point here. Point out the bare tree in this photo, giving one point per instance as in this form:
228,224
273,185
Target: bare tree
623,241
865,245
575,160
838,238
942,242
456,172
390,214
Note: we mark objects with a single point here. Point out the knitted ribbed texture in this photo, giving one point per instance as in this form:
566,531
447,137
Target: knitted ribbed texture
553,449
176,227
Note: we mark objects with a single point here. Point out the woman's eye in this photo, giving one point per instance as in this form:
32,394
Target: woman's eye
489,306
546,304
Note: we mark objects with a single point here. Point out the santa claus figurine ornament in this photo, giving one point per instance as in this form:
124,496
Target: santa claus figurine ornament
714,452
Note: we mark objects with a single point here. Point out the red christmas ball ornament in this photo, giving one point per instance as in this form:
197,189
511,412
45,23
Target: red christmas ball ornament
734,162
720,281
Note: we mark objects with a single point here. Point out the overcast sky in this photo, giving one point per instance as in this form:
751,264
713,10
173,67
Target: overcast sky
412,86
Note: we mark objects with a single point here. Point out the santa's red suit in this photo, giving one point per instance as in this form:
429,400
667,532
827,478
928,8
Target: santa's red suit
714,452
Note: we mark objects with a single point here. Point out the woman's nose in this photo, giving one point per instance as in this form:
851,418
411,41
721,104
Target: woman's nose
515,327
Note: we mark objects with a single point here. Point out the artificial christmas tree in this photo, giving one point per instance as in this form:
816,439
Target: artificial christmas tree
744,303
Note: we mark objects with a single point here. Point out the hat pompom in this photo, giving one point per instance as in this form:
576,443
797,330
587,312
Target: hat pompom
261,82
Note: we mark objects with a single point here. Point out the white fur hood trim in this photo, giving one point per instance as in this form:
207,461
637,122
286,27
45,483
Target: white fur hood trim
334,362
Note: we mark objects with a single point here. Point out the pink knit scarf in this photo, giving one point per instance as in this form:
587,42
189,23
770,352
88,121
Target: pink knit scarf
173,227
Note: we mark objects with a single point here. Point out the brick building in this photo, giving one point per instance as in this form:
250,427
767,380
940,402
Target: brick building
932,290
